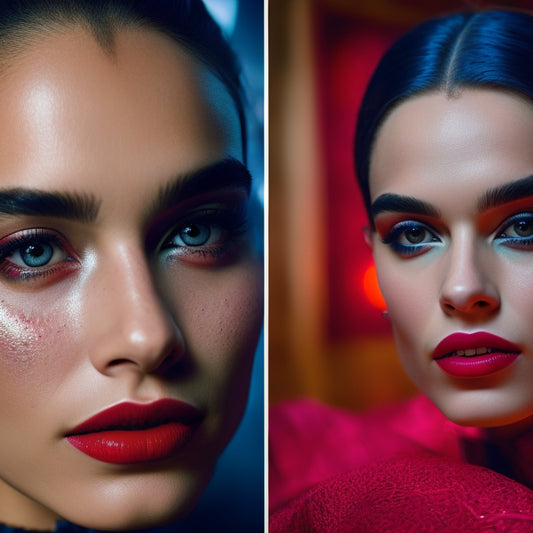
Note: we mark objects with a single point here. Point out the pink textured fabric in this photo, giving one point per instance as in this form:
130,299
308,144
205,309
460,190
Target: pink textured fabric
401,469
310,442
411,493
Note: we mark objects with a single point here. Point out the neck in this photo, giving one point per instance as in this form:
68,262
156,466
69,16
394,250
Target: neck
507,450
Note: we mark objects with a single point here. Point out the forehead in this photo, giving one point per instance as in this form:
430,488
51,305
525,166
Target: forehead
470,142
76,111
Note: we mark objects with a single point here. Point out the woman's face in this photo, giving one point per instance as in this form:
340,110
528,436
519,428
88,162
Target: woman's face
452,189
127,276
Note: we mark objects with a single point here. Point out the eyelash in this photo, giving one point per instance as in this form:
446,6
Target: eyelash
19,243
221,225
515,241
399,230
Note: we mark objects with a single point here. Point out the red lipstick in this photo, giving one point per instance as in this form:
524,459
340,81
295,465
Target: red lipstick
130,432
474,355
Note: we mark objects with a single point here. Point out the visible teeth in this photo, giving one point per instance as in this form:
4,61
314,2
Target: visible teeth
471,352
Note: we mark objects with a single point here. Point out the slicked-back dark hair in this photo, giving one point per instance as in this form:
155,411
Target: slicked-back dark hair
187,22
488,49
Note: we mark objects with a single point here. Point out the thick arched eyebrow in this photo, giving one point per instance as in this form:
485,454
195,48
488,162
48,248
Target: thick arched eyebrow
34,202
225,174
508,192
402,204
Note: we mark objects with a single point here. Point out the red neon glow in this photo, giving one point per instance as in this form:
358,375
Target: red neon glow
371,288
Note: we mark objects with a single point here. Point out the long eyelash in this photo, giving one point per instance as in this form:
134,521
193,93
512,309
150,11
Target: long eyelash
15,272
404,249
393,234
509,241
233,221
510,221
514,242
32,235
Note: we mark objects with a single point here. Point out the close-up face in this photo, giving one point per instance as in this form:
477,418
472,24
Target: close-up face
130,287
451,184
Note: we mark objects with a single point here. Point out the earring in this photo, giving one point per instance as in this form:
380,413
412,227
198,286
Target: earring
385,315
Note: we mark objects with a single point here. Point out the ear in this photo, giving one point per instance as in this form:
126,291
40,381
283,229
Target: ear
368,233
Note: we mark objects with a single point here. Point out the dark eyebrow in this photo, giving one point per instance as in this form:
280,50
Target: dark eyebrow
226,174
402,204
506,193
33,202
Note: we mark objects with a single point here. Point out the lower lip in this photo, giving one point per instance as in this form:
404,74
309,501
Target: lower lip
133,446
477,366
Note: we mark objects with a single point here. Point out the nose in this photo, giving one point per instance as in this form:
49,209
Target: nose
132,326
468,289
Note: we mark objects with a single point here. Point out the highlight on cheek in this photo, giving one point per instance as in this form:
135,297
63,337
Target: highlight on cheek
36,256
23,334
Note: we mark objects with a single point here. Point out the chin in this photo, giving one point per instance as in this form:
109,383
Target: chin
485,410
136,503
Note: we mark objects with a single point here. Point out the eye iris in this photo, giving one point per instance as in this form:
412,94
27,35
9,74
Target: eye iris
415,235
37,254
195,234
523,228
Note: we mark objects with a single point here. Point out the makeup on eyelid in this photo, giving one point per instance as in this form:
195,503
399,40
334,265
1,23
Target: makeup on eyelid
492,223
490,219
40,256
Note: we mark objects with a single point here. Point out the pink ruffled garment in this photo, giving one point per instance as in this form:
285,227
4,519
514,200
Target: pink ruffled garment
396,469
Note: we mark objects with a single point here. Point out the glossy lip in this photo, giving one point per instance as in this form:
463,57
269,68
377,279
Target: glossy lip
503,353
129,432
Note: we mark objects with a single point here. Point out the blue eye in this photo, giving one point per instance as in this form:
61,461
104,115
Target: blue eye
206,231
194,234
411,238
34,255
34,251
516,232
208,235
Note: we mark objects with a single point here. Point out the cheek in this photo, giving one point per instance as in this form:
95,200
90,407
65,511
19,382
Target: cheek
515,289
515,280
411,295
29,341
35,360
408,294
219,313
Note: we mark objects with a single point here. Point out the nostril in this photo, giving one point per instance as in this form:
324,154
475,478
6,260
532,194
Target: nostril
449,307
477,306
117,362
169,363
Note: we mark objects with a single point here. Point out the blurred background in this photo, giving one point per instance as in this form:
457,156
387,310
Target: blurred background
327,336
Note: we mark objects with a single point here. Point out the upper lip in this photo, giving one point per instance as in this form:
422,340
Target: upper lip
468,341
131,415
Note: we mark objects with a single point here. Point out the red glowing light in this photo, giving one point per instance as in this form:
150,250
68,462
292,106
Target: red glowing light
371,288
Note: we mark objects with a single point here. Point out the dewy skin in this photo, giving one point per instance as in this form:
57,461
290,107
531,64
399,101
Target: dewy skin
130,287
